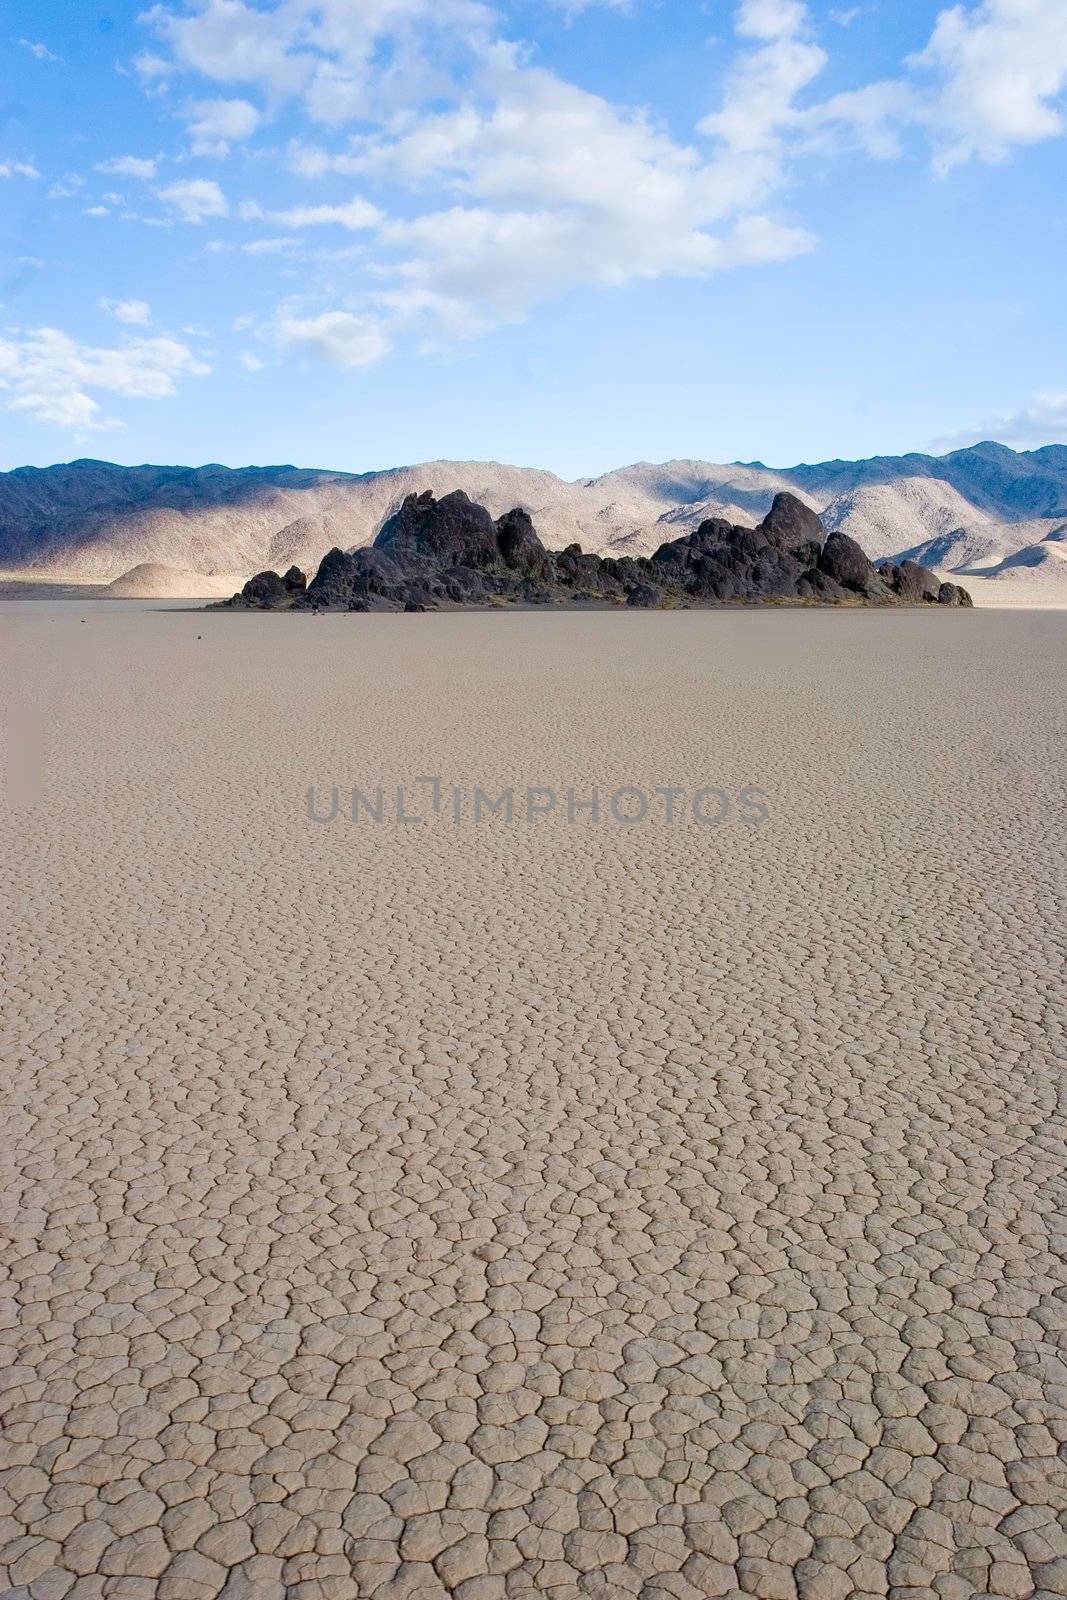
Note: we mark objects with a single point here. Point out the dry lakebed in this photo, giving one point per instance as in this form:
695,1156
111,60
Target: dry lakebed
549,1204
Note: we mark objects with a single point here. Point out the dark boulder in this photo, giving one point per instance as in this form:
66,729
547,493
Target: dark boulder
645,596
712,533
952,594
911,583
266,590
844,561
295,581
358,574
519,545
332,584
794,527
453,531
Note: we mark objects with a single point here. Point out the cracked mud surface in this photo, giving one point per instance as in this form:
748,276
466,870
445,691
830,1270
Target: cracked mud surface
403,1211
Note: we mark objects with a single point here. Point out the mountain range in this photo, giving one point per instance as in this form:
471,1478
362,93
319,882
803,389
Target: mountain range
988,513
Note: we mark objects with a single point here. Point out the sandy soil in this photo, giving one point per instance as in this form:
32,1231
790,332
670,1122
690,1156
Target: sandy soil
424,1210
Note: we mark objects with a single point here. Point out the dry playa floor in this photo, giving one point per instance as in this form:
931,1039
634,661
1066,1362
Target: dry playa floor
422,1210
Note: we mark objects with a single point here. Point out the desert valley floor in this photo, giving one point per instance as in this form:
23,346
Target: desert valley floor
534,1208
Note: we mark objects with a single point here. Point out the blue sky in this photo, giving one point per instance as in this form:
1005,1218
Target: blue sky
360,233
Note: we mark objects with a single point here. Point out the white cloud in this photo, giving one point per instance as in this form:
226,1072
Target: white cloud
574,8
519,186
770,19
151,66
339,337
250,362
344,60
96,211
216,124
1004,66
143,167
52,377
874,117
134,313
231,42
310,161
990,79
541,186
195,199
763,84
18,169
1042,421
270,247
354,214
41,51
564,189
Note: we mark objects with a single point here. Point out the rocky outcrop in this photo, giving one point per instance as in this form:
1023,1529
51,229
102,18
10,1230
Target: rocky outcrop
911,582
450,552
94,520
842,560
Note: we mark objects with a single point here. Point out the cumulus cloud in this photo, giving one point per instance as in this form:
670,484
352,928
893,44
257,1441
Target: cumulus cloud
134,313
344,60
1003,67
340,337
46,374
764,83
195,199
541,186
990,79
516,185
142,167
354,214
214,125
18,169
771,19
311,161
561,188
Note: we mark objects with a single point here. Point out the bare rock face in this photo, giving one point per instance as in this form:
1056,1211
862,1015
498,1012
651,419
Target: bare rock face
451,552
911,582
266,592
794,527
644,595
842,559
452,532
520,546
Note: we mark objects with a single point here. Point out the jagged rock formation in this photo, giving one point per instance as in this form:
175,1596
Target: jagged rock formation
451,552
962,513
